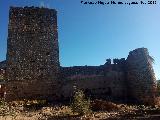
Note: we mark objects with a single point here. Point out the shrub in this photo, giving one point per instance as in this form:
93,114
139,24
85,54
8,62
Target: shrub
79,104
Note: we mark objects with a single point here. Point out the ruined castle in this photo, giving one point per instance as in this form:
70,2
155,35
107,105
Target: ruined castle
33,70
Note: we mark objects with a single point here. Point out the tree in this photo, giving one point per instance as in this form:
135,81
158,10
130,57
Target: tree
79,104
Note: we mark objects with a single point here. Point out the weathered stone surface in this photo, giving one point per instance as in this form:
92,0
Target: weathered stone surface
33,70
140,77
130,80
3,65
32,53
105,81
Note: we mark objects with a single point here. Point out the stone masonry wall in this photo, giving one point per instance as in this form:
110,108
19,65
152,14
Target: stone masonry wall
32,53
131,80
101,82
3,65
140,77
33,70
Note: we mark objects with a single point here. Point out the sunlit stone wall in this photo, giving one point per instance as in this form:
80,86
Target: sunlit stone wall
140,77
32,53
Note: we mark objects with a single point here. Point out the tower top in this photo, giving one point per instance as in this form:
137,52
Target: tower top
32,7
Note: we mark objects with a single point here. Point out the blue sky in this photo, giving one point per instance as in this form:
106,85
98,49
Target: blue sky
89,34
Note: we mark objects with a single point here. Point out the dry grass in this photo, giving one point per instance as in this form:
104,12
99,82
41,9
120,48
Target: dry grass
104,110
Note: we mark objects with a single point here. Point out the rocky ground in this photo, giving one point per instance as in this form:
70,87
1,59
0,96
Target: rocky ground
101,110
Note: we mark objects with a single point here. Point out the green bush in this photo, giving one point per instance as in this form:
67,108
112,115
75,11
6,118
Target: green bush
79,104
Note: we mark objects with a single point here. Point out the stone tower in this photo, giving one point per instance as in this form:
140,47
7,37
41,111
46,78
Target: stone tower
141,78
32,53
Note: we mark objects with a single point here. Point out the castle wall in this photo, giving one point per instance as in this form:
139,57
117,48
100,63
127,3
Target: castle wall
132,80
82,70
33,70
101,82
140,77
3,65
32,53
